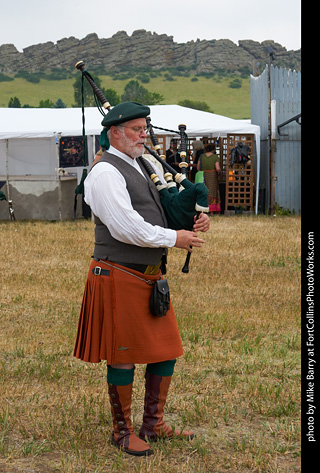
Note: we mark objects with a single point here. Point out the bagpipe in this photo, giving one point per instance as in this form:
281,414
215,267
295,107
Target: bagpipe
182,200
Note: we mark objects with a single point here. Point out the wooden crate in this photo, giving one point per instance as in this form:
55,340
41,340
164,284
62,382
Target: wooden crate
239,177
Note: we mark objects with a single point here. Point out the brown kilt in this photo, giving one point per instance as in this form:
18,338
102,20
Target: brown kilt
115,322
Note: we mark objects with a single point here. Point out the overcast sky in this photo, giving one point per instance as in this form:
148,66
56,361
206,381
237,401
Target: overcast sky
28,22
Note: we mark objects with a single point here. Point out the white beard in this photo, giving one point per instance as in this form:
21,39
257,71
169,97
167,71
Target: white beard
134,151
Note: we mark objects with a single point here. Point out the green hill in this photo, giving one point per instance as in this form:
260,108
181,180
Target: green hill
215,91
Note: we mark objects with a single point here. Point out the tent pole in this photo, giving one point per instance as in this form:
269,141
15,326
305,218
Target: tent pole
93,149
58,136
257,142
7,168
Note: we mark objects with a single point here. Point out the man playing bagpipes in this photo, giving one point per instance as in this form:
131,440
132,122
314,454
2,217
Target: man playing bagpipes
116,320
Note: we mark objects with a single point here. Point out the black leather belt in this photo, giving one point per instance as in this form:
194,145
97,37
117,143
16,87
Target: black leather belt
106,272
136,267
97,271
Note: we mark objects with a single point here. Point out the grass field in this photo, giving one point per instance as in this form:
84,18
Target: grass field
222,100
237,385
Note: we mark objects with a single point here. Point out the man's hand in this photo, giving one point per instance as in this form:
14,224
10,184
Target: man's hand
186,240
202,224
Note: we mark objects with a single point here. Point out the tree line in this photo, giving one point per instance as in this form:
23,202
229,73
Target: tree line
14,102
83,93
133,91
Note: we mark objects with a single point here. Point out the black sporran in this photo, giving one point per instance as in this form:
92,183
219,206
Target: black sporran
160,298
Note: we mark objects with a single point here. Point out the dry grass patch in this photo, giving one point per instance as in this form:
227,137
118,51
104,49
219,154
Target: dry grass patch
237,386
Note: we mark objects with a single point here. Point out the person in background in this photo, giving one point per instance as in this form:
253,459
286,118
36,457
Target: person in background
173,156
131,239
198,147
98,155
209,163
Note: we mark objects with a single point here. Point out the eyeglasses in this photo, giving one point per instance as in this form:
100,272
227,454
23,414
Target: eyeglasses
136,129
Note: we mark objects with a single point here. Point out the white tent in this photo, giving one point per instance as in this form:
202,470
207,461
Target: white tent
44,122
29,137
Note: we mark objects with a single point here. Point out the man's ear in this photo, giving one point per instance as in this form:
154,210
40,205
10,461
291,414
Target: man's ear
115,132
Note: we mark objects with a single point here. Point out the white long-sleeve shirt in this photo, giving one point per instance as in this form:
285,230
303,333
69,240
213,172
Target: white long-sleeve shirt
106,193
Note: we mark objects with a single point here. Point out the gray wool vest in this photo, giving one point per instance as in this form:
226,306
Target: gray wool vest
145,200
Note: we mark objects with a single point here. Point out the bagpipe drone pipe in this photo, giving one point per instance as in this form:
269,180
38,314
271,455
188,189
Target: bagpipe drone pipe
181,205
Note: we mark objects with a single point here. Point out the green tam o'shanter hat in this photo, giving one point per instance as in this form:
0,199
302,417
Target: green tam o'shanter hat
124,112
119,114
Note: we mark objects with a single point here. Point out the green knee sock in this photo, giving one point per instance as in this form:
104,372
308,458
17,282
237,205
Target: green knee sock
120,377
163,368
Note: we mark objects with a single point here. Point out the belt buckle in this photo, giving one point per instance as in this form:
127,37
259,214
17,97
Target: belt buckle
97,271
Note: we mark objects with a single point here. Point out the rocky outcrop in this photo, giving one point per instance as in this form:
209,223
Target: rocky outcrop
145,49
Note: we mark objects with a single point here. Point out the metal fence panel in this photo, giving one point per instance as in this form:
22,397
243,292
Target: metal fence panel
283,86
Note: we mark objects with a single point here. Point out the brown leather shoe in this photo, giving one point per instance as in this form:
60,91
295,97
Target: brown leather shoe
153,426
123,435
